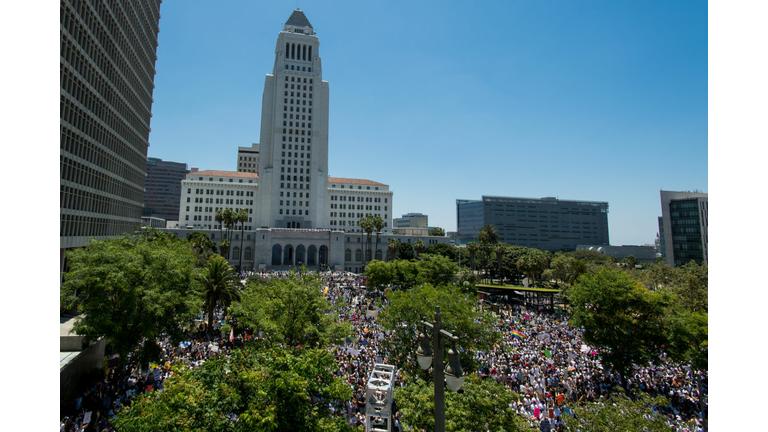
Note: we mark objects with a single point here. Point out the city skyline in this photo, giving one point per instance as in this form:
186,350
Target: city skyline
596,101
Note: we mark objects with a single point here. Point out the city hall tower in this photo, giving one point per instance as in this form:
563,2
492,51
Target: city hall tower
293,161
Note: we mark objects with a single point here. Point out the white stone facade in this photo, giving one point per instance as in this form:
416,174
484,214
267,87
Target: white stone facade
205,192
293,159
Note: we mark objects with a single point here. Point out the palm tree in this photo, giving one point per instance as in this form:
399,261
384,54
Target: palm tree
378,224
394,245
499,250
220,285
219,218
472,248
419,247
242,217
365,227
230,219
488,234
224,247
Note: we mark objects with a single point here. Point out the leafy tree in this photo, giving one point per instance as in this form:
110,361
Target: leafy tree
405,273
405,251
619,413
443,249
130,290
691,285
625,321
220,285
437,232
407,308
688,339
630,261
266,390
482,405
565,269
380,274
435,269
291,311
533,263
203,247
593,258
657,276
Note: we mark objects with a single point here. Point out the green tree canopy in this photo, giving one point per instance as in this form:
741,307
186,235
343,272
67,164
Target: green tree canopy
405,251
435,269
691,285
619,413
688,338
268,390
203,247
620,317
437,232
459,315
291,311
533,263
130,290
483,405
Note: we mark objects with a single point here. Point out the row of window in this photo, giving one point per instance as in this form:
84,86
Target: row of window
220,192
85,150
300,69
221,179
89,226
84,176
297,79
110,52
116,114
288,212
359,199
78,125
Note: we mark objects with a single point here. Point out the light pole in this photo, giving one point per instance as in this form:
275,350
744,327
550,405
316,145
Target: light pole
452,374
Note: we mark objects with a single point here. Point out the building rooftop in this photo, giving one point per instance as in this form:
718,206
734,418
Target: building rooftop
354,181
214,173
298,19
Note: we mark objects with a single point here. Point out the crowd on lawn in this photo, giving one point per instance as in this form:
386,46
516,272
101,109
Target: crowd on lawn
541,358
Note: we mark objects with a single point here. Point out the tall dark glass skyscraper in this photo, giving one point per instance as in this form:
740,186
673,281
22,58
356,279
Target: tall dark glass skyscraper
162,189
107,71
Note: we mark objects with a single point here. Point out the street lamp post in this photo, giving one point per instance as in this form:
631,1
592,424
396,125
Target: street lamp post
452,374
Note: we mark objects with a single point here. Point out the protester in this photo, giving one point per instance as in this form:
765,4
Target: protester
541,358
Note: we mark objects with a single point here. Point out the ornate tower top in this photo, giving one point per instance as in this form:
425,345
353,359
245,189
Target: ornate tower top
298,23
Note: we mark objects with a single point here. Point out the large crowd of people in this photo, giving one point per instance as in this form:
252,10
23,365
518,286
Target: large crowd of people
541,357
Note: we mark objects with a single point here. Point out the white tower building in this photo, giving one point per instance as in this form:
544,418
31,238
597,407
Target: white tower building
293,160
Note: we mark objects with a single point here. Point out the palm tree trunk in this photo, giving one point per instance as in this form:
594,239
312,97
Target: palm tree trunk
242,231
210,318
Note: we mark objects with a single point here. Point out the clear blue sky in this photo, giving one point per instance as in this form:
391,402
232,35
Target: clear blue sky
590,100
